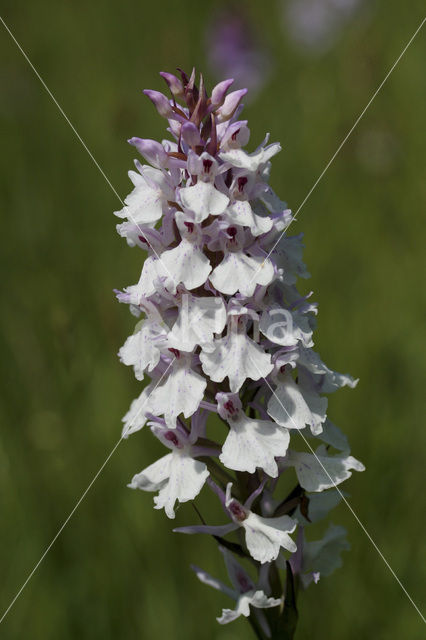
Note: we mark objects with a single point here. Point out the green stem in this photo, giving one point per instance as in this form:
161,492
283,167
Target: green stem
256,628
285,626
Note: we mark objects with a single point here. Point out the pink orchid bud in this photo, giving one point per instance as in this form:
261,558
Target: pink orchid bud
231,102
161,103
152,151
175,85
219,92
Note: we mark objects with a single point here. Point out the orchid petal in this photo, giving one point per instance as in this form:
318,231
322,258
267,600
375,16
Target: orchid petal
253,161
141,350
207,579
203,199
323,556
197,321
293,409
284,327
265,536
240,212
254,443
181,392
239,577
187,477
176,476
322,471
153,477
330,380
187,263
240,272
136,416
238,357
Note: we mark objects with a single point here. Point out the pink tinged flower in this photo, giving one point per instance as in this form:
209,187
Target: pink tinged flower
153,273
144,236
251,443
251,162
204,166
176,477
237,357
264,536
322,471
146,203
203,200
136,416
230,105
142,350
241,272
294,407
187,262
197,322
181,392
241,213
234,135
257,599
243,591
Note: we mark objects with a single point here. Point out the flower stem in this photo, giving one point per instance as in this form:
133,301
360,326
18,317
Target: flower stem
256,628
285,626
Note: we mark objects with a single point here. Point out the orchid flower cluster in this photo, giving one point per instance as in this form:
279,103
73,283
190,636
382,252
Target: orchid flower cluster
227,342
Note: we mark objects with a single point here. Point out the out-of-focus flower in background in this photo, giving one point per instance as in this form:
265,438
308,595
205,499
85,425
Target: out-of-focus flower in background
315,25
234,50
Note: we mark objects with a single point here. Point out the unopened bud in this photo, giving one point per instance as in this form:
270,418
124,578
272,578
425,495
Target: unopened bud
152,151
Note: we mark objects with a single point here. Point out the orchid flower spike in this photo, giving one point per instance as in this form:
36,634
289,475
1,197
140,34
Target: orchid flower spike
224,336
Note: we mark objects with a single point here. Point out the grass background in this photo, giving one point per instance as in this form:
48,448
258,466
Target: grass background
117,571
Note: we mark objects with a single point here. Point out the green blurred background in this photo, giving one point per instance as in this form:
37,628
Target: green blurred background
117,571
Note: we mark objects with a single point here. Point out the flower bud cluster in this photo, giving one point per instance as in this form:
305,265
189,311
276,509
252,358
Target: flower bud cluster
225,333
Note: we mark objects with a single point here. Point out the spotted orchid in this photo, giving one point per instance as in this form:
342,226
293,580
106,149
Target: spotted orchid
236,393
